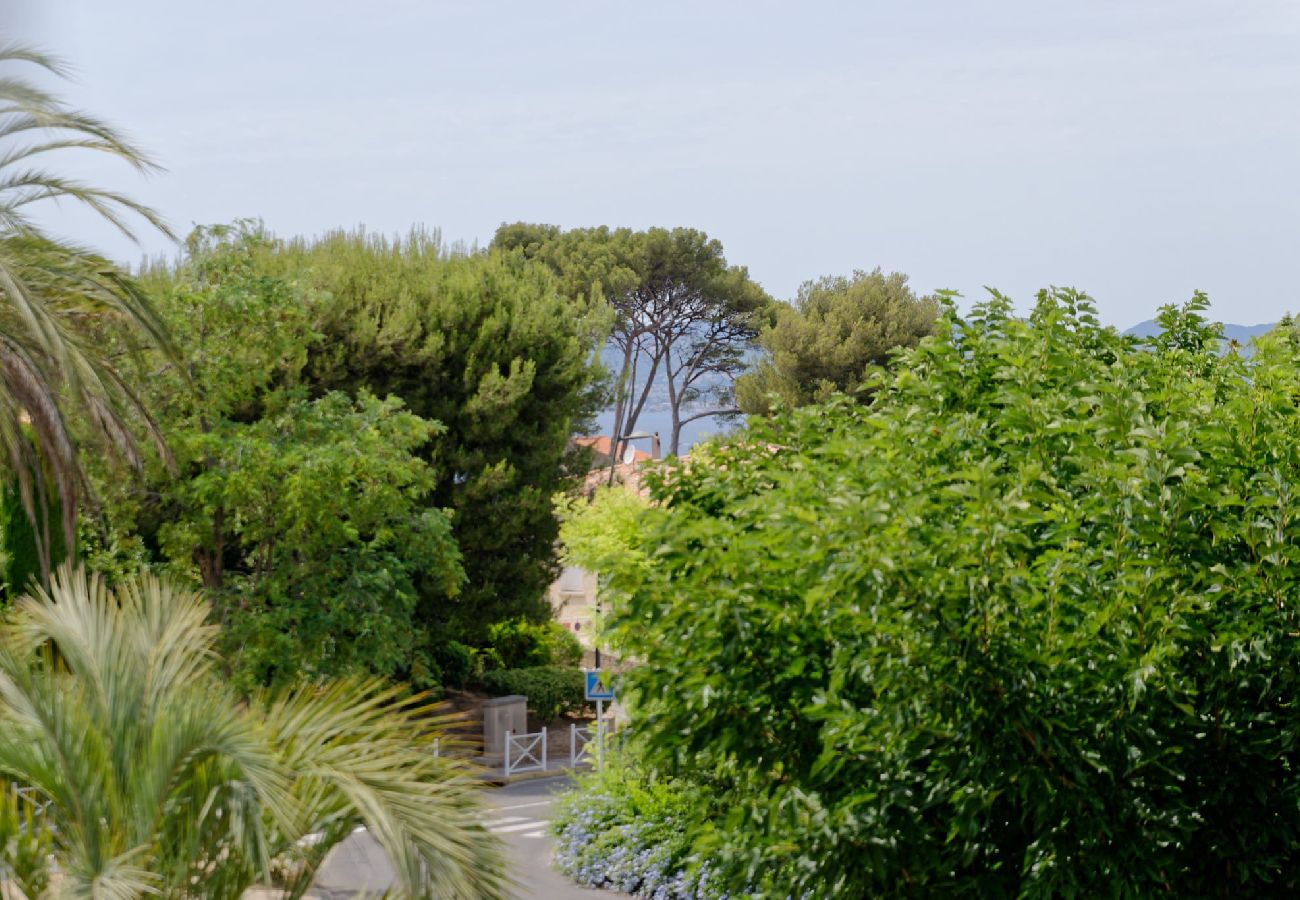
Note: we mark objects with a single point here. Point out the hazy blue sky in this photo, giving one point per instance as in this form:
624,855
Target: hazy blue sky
1133,149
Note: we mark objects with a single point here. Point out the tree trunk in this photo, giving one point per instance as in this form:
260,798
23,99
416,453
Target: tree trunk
624,427
620,400
674,402
210,561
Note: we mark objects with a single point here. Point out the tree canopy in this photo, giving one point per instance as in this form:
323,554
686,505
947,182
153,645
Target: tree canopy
684,317
831,338
307,518
1020,626
488,347
601,533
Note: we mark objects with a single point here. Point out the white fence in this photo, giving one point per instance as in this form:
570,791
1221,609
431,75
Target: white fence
590,742
525,752
580,741
528,752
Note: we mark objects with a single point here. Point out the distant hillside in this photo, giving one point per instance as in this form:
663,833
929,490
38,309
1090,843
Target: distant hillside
1242,334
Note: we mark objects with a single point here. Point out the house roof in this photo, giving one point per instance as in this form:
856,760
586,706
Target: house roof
601,445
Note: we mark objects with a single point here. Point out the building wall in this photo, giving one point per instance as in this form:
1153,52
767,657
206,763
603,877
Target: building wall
573,597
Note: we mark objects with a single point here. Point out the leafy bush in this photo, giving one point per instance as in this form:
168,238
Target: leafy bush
436,665
563,645
1023,626
455,663
521,644
20,557
551,690
625,829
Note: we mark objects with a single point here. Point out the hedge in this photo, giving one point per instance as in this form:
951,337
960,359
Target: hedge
551,690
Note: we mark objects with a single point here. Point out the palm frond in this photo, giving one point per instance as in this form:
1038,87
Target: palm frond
152,777
54,296
15,52
363,756
29,186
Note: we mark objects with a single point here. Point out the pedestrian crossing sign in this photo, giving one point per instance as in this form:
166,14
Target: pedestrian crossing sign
600,684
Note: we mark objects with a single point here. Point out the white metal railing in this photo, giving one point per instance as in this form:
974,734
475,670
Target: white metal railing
590,742
580,741
525,752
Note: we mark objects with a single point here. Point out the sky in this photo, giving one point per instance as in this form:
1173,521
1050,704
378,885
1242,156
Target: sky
1135,150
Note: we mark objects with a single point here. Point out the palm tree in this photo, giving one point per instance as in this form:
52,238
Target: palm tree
128,767
52,295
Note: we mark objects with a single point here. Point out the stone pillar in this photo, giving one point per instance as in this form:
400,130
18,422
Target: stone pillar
502,714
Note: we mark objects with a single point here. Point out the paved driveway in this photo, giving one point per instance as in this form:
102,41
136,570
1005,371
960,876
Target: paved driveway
520,815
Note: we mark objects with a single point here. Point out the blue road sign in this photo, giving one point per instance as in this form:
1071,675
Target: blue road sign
600,685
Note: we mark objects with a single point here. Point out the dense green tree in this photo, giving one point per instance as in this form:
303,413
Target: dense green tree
323,503
22,557
1023,625
307,518
832,337
487,346
601,532
683,317
50,289
130,768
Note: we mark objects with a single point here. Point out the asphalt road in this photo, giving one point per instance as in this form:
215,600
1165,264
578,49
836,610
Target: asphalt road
523,812
520,816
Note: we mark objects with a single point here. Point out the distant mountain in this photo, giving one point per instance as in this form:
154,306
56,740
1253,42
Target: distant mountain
657,414
1242,334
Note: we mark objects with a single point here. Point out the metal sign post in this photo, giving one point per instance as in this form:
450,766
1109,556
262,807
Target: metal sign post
600,687
600,735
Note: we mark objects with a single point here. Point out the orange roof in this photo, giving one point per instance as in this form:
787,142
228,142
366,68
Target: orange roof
600,443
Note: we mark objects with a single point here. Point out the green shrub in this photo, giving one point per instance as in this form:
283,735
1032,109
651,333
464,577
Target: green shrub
551,690
625,828
19,550
563,646
455,662
1024,626
521,644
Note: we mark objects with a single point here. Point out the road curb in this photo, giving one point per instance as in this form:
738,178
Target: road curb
500,779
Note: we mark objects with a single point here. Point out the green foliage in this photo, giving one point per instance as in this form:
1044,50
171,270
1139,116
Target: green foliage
54,296
25,845
602,533
324,501
551,690
683,317
625,827
454,663
837,331
1023,626
565,648
22,545
308,519
486,346
594,263
143,773
520,644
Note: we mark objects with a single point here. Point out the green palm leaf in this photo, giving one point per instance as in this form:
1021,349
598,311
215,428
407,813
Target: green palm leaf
55,295
141,772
